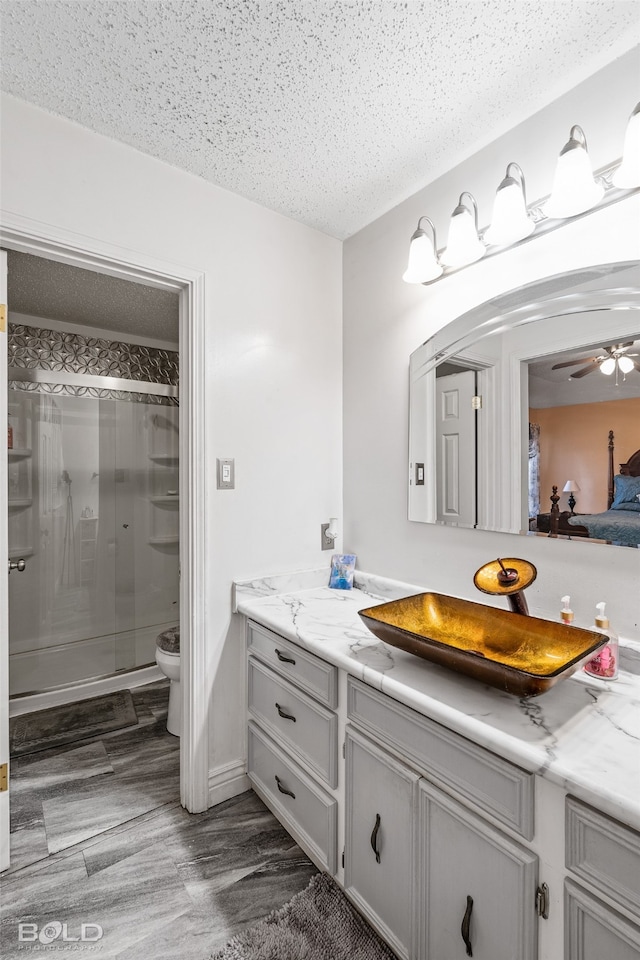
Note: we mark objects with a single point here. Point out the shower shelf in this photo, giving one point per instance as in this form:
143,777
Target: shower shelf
27,551
23,502
166,499
164,540
163,458
19,453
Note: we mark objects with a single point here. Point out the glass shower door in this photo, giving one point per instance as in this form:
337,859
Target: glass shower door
93,510
146,523
58,632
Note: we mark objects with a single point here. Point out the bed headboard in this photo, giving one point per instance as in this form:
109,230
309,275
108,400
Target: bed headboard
629,469
632,467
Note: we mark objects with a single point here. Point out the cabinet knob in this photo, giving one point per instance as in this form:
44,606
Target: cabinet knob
374,838
466,923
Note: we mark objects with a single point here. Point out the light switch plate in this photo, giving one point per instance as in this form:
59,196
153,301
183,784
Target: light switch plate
225,474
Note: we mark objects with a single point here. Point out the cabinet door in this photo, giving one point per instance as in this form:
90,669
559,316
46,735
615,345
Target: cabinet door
594,931
477,886
381,809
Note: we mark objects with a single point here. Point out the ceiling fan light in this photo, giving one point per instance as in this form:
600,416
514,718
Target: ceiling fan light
608,366
628,173
626,364
463,245
423,264
574,188
510,221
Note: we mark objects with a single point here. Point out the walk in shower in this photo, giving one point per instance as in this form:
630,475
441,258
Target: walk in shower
93,494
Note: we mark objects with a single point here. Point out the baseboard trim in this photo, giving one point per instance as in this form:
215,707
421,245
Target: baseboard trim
228,781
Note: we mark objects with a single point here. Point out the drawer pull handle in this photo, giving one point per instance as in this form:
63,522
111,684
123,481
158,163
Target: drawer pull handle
464,929
281,657
282,789
284,714
374,838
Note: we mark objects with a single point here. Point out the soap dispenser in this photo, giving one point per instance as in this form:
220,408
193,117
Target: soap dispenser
566,614
604,664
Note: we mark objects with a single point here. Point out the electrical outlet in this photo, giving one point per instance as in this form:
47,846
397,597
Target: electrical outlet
327,542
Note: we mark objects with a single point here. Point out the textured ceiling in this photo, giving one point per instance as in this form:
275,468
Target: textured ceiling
55,291
330,113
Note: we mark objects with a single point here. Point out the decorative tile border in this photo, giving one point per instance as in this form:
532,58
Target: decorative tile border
54,350
35,348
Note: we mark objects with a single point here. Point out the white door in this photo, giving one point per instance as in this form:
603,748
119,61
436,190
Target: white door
456,448
4,583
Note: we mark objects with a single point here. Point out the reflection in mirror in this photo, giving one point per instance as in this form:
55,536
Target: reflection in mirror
491,388
584,426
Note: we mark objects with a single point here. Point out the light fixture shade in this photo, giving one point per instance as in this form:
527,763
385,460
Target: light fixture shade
626,364
608,366
574,188
423,264
571,487
510,221
464,245
628,173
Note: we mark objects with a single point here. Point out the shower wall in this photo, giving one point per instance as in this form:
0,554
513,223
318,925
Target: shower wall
93,508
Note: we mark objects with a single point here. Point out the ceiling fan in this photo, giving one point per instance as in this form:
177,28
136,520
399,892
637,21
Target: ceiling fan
615,358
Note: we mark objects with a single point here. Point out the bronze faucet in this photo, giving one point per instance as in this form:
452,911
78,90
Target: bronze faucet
507,578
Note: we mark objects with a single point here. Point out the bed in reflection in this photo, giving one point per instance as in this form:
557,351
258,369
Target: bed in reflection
620,523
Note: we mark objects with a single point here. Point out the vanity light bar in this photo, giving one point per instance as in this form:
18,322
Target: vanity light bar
577,192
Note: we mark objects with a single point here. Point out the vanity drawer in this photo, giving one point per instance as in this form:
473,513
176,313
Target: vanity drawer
314,676
489,783
603,853
302,807
294,720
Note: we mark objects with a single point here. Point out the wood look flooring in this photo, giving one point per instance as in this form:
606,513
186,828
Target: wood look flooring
99,837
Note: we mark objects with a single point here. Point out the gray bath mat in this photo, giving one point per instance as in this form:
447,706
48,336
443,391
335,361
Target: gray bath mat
317,924
69,722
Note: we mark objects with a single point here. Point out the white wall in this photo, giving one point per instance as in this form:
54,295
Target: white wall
386,319
273,350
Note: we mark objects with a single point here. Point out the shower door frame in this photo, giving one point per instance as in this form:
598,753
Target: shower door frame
53,243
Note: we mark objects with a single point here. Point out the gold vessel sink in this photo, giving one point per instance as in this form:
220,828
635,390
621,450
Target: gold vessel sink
521,655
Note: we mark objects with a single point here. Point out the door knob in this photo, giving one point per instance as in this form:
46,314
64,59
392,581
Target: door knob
18,565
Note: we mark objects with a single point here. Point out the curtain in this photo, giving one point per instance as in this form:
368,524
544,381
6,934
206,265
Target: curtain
534,469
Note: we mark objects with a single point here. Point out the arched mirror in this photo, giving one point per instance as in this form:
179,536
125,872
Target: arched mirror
535,389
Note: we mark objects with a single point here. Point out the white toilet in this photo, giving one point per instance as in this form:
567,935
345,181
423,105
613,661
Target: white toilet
168,659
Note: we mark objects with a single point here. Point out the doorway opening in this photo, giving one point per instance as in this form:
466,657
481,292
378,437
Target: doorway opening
188,286
93,474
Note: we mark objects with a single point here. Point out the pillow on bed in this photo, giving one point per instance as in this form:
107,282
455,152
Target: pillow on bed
626,493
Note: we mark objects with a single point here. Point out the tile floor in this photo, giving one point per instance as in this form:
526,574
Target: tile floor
99,837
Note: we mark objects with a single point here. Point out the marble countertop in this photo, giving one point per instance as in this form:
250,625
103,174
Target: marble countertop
583,734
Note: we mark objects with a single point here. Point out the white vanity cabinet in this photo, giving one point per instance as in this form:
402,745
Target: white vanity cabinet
472,887
381,798
602,858
293,740
477,887
449,849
